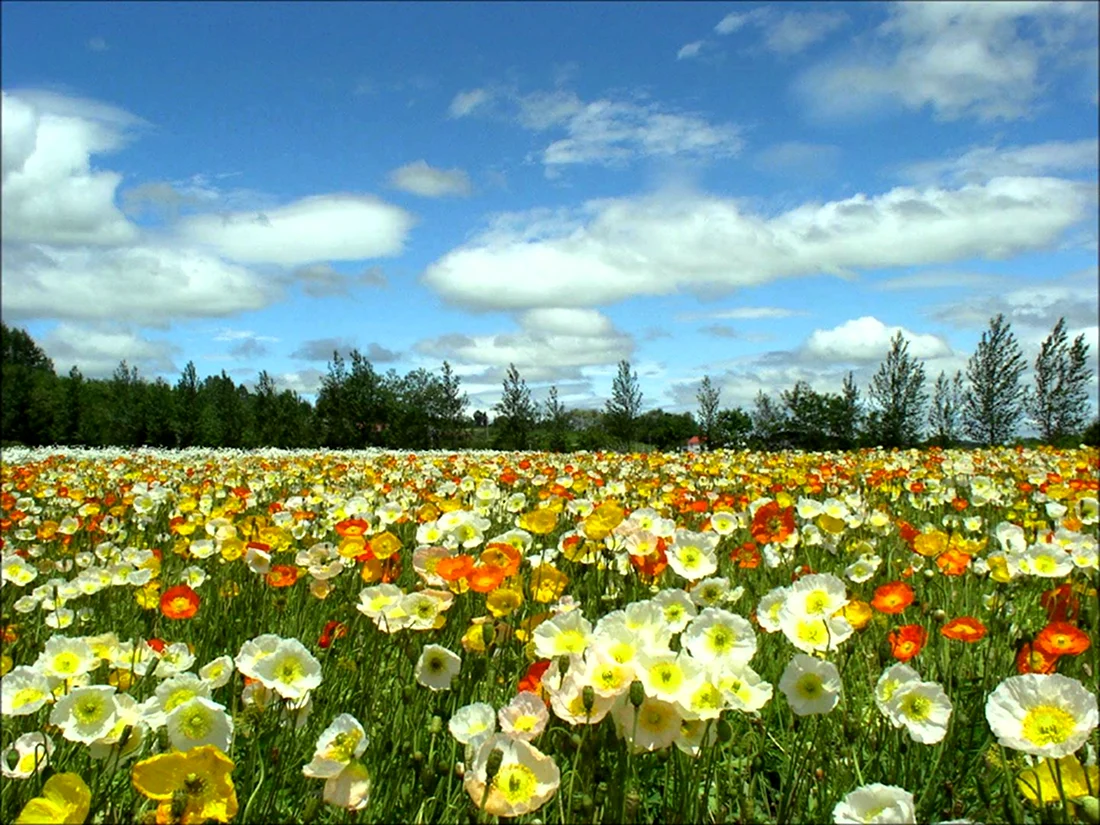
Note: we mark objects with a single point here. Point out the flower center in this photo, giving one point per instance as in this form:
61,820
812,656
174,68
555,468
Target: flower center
516,783
809,686
1048,725
916,707
196,724
816,602
88,710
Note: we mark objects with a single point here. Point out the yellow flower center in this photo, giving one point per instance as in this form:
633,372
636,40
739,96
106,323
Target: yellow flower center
88,710
571,641
516,783
525,723
343,746
66,662
667,676
816,602
196,724
652,719
289,671
813,632
707,697
809,686
1048,725
720,639
916,707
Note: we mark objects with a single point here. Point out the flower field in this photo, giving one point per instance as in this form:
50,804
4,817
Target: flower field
388,637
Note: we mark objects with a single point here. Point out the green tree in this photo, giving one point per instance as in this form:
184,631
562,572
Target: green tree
1058,406
186,409
898,397
768,421
708,397
28,380
556,422
993,400
450,410
848,414
732,429
516,413
625,404
945,416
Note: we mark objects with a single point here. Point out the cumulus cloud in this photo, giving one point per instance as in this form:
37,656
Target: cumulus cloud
867,339
249,349
97,44
465,103
50,192
303,382
419,178
980,60
97,349
323,227
611,250
140,284
551,344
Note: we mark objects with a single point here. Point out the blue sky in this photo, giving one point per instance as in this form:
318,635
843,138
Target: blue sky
761,193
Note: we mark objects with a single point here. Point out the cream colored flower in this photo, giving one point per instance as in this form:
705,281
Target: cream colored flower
525,781
1043,715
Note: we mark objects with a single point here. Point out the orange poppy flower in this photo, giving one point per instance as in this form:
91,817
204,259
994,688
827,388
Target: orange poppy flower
771,524
954,562
907,532
893,597
1062,639
502,555
333,630
746,556
453,568
352,527
1032,660
651,566
1060,603
282,575
485,578
907,641
179,602
963,629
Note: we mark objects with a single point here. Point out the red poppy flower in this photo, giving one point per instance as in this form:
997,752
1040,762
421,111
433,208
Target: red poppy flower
332,630
651,566
1060,603
963,629
282,575
907,641
453,568
179,602
1062,639
746,556
352,527
893,597
485,578
771,524
1032,660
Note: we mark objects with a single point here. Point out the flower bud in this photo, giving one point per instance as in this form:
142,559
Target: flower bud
563,664
588,698
637,693
492,765
488,634
1088,808
724,731
435,725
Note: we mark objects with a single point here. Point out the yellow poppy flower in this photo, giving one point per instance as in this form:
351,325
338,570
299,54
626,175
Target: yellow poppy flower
65,799
1042,780
200,777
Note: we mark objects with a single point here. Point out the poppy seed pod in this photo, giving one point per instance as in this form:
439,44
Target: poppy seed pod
492,765
637,693
588,698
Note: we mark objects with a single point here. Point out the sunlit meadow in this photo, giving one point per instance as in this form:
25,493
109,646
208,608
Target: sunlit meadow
379,637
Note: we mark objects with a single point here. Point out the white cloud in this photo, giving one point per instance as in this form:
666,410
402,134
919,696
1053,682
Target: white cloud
97,349
421,179
1033,307
689,50
983,163
142,284
786,31
303,382
97,44
937,279
741,314
978,60
51,194
867,339
323,227
465,103
615,249
552,343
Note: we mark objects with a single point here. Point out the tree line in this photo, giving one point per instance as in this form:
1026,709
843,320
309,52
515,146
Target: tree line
359,407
